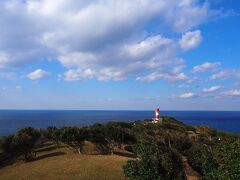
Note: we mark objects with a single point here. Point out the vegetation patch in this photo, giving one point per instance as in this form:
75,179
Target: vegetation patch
138,150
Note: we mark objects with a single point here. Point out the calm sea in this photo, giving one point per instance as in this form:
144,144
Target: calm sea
13,120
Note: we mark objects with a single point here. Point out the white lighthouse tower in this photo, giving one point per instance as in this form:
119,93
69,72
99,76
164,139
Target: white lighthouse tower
157,118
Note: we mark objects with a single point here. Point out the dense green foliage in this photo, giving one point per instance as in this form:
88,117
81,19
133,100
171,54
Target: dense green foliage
52,133
21,143
159,148
74,137
158,157
219,160
155,162
106,136
214,155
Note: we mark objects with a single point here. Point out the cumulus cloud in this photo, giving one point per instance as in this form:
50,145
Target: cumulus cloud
154,55
37,74
108,38
221,75
233,92
102,75
205,67
190,40
167,76
225,74
185,96
212,89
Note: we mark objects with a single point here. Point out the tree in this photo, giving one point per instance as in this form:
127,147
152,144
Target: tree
25,140
6,145
155,162
22,143
53,133
119,133
98,135
74,137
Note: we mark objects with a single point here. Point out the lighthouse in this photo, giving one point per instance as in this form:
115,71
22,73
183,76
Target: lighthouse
157,118
157,113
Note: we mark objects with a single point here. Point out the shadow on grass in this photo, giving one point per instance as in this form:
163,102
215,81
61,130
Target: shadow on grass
49,155
46,149
45,144
51,148
125,154
6,161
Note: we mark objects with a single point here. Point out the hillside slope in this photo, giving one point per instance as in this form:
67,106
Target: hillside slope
62,163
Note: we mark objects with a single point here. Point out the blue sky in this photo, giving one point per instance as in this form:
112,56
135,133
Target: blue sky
133,55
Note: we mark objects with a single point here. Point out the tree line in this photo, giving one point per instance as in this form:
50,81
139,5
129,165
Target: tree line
158,147
104,136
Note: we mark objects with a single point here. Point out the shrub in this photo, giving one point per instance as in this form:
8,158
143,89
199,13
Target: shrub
155,162
228,157
201,159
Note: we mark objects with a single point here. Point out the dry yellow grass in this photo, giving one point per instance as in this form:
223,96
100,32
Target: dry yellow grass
62,163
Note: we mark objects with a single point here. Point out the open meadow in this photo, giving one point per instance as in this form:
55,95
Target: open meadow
63,163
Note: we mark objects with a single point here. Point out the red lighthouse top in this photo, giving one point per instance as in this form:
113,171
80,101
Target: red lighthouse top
157,110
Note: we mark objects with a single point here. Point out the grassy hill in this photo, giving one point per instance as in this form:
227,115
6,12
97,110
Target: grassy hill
170,150
62,163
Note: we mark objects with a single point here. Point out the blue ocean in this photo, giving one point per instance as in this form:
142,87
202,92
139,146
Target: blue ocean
13,120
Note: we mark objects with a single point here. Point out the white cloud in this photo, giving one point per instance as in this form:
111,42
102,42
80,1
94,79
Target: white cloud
108,37
194,80
225,74
152,55
233,92
185,96
212,89
183,86
220,75
190,40
167,76
4,57
37,74
78,74
205,67
104,74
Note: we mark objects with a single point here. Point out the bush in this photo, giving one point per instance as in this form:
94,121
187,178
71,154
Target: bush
228,157
217,162
201,159
155,162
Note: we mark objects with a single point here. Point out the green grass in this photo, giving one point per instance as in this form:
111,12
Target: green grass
62,163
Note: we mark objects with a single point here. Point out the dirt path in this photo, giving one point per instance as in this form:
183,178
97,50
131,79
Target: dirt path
190,173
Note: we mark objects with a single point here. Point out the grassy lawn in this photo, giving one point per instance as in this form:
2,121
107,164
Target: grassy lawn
62,163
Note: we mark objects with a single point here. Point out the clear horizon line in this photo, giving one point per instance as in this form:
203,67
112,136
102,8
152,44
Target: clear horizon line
41,109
